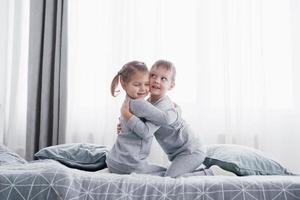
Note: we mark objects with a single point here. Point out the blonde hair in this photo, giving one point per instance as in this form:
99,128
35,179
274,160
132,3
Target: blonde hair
125,74
166,65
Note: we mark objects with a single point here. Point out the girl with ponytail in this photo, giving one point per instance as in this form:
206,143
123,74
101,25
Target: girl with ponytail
132,147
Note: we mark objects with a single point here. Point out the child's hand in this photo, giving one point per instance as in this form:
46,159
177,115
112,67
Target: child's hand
125,110
119,128
175,105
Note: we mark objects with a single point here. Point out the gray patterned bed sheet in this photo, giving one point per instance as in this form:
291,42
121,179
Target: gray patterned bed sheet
48,179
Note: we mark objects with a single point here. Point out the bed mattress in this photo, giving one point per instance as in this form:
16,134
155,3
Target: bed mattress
49,179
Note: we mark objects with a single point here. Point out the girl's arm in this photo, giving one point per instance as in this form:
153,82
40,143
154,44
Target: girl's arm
142,129
135,124
145,109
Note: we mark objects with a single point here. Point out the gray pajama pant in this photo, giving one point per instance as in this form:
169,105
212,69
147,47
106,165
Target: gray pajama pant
147,169
183,165
186,165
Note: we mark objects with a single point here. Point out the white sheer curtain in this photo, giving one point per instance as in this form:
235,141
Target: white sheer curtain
237,63
14,34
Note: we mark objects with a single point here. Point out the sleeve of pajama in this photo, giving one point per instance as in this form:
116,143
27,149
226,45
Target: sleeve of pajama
142,108
142,129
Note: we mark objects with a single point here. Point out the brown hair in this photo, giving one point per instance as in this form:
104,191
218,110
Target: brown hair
125,74
166,65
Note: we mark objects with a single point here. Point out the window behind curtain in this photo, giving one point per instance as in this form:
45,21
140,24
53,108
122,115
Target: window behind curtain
236,79
14,37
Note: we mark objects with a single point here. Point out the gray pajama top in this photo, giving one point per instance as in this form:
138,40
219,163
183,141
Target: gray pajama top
132,146
174,134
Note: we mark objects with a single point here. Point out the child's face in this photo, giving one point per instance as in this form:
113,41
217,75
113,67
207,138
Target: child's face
138,86
160,81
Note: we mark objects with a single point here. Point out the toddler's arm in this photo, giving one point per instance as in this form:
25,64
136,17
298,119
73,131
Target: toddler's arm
142,129
135,124
145,109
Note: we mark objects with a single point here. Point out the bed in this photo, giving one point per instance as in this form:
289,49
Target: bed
49,179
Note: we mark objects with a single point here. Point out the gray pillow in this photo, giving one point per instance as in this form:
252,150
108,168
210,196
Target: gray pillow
9,157
242,160
84,156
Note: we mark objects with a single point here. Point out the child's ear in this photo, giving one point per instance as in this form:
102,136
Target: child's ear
172,85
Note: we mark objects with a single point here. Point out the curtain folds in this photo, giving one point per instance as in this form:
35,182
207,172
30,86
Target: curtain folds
46,75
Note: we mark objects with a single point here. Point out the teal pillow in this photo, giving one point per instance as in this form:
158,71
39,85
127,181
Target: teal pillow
242,160
84,156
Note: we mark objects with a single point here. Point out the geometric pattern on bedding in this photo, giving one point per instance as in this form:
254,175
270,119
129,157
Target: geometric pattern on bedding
51,180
